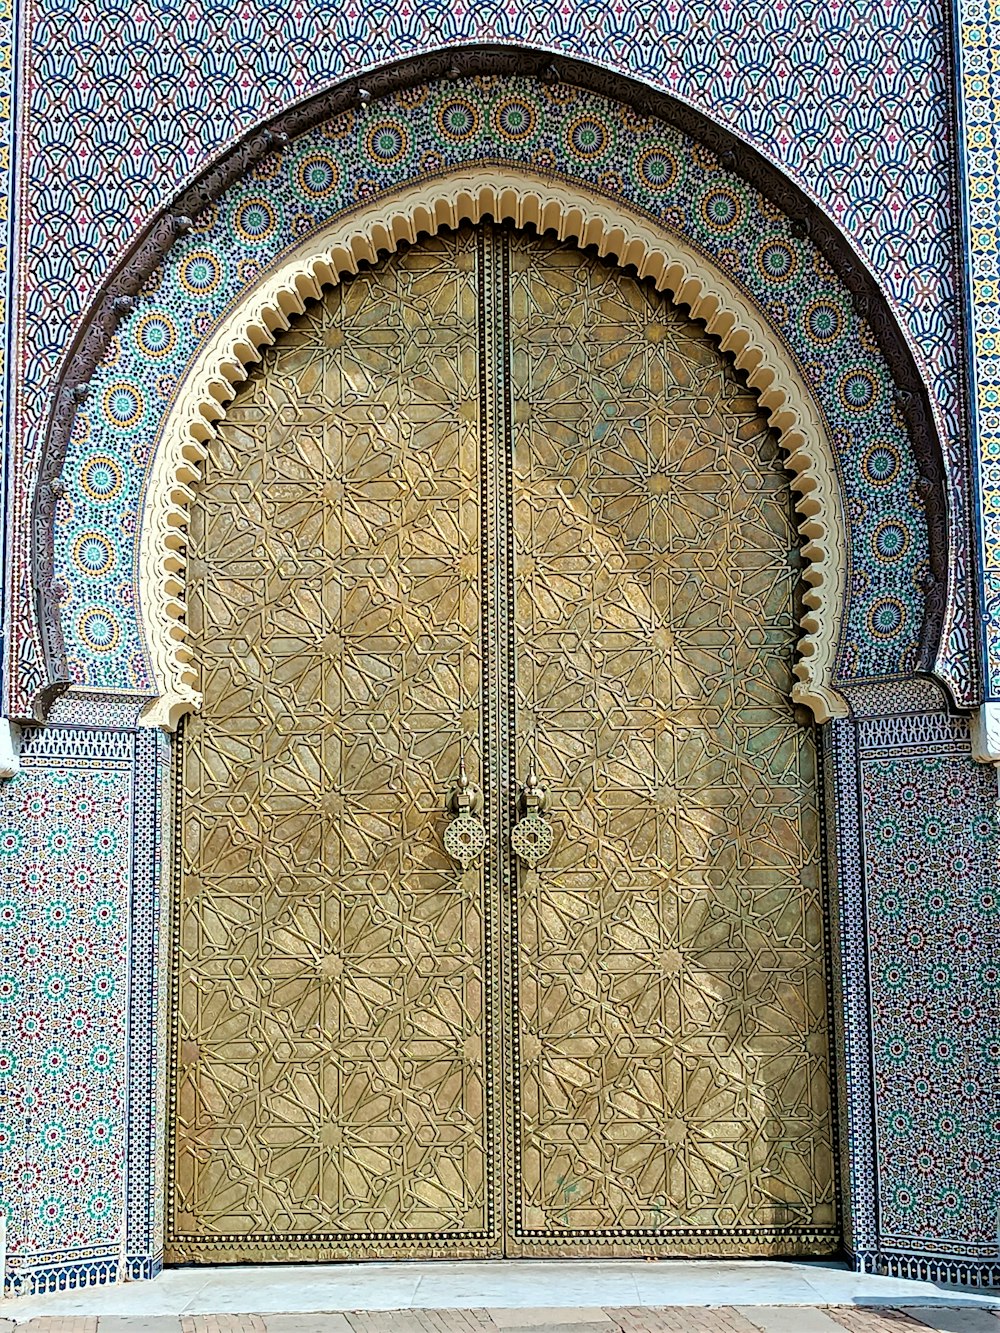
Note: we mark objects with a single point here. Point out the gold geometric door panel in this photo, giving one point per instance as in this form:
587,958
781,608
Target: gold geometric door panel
493,499
669,979
333,1068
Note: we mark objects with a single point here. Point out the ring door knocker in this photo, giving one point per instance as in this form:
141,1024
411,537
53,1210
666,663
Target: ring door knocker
531,837
465,837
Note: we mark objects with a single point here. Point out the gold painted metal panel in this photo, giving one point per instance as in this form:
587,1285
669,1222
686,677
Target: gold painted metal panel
668,999
334,1053
494,497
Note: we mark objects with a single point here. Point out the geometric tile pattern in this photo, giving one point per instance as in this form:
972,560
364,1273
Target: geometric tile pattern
8,35
918,929
559,131
850,100
979,97
78,855
931,841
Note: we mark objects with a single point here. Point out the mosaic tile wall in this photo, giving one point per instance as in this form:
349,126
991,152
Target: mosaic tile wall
560,131
123,102
79,928
9,29
850,99
918,943
979,142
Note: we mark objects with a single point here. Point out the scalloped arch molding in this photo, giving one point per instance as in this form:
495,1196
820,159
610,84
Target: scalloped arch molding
587,167
466,196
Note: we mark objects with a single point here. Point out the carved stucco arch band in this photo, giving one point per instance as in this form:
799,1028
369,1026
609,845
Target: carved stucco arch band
523,198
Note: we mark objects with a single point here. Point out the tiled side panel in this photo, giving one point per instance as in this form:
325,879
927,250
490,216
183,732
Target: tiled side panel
920,922
10,25
78,999
978,23
931,844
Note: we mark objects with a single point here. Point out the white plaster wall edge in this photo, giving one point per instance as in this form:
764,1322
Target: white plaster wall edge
986,734
10,748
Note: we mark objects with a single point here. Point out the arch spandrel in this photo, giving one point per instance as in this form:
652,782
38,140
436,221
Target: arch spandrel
647,195
525,199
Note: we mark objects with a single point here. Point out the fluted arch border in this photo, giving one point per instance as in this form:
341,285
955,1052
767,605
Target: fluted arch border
573,213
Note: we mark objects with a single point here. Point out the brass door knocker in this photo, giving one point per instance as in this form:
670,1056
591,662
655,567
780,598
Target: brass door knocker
465,837
532,836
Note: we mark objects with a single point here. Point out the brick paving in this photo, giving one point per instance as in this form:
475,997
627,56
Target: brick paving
651,1319
421,1321
550,1319
876,1321
786,1319
681,1319
222,1323
63,1324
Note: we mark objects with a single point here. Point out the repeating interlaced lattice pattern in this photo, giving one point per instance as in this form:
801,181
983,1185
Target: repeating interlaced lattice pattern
331,963
627,1045
671,1001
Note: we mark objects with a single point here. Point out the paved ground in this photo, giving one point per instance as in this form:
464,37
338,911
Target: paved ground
512,1296
506,1287
593,1319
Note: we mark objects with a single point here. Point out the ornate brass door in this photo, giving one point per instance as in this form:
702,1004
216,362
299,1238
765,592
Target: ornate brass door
495,499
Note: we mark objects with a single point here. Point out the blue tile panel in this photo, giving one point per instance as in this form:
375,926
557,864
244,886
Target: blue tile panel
931,847
79,982
9,21
978,41
851,99
918,943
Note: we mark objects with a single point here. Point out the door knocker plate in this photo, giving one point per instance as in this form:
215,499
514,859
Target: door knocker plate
465,837
532,835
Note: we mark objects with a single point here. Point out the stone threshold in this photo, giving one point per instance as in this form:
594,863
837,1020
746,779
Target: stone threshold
357,1289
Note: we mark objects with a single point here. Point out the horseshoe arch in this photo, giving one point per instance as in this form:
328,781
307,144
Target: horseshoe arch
313,206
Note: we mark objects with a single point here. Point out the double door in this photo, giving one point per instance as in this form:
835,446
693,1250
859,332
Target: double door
495,504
